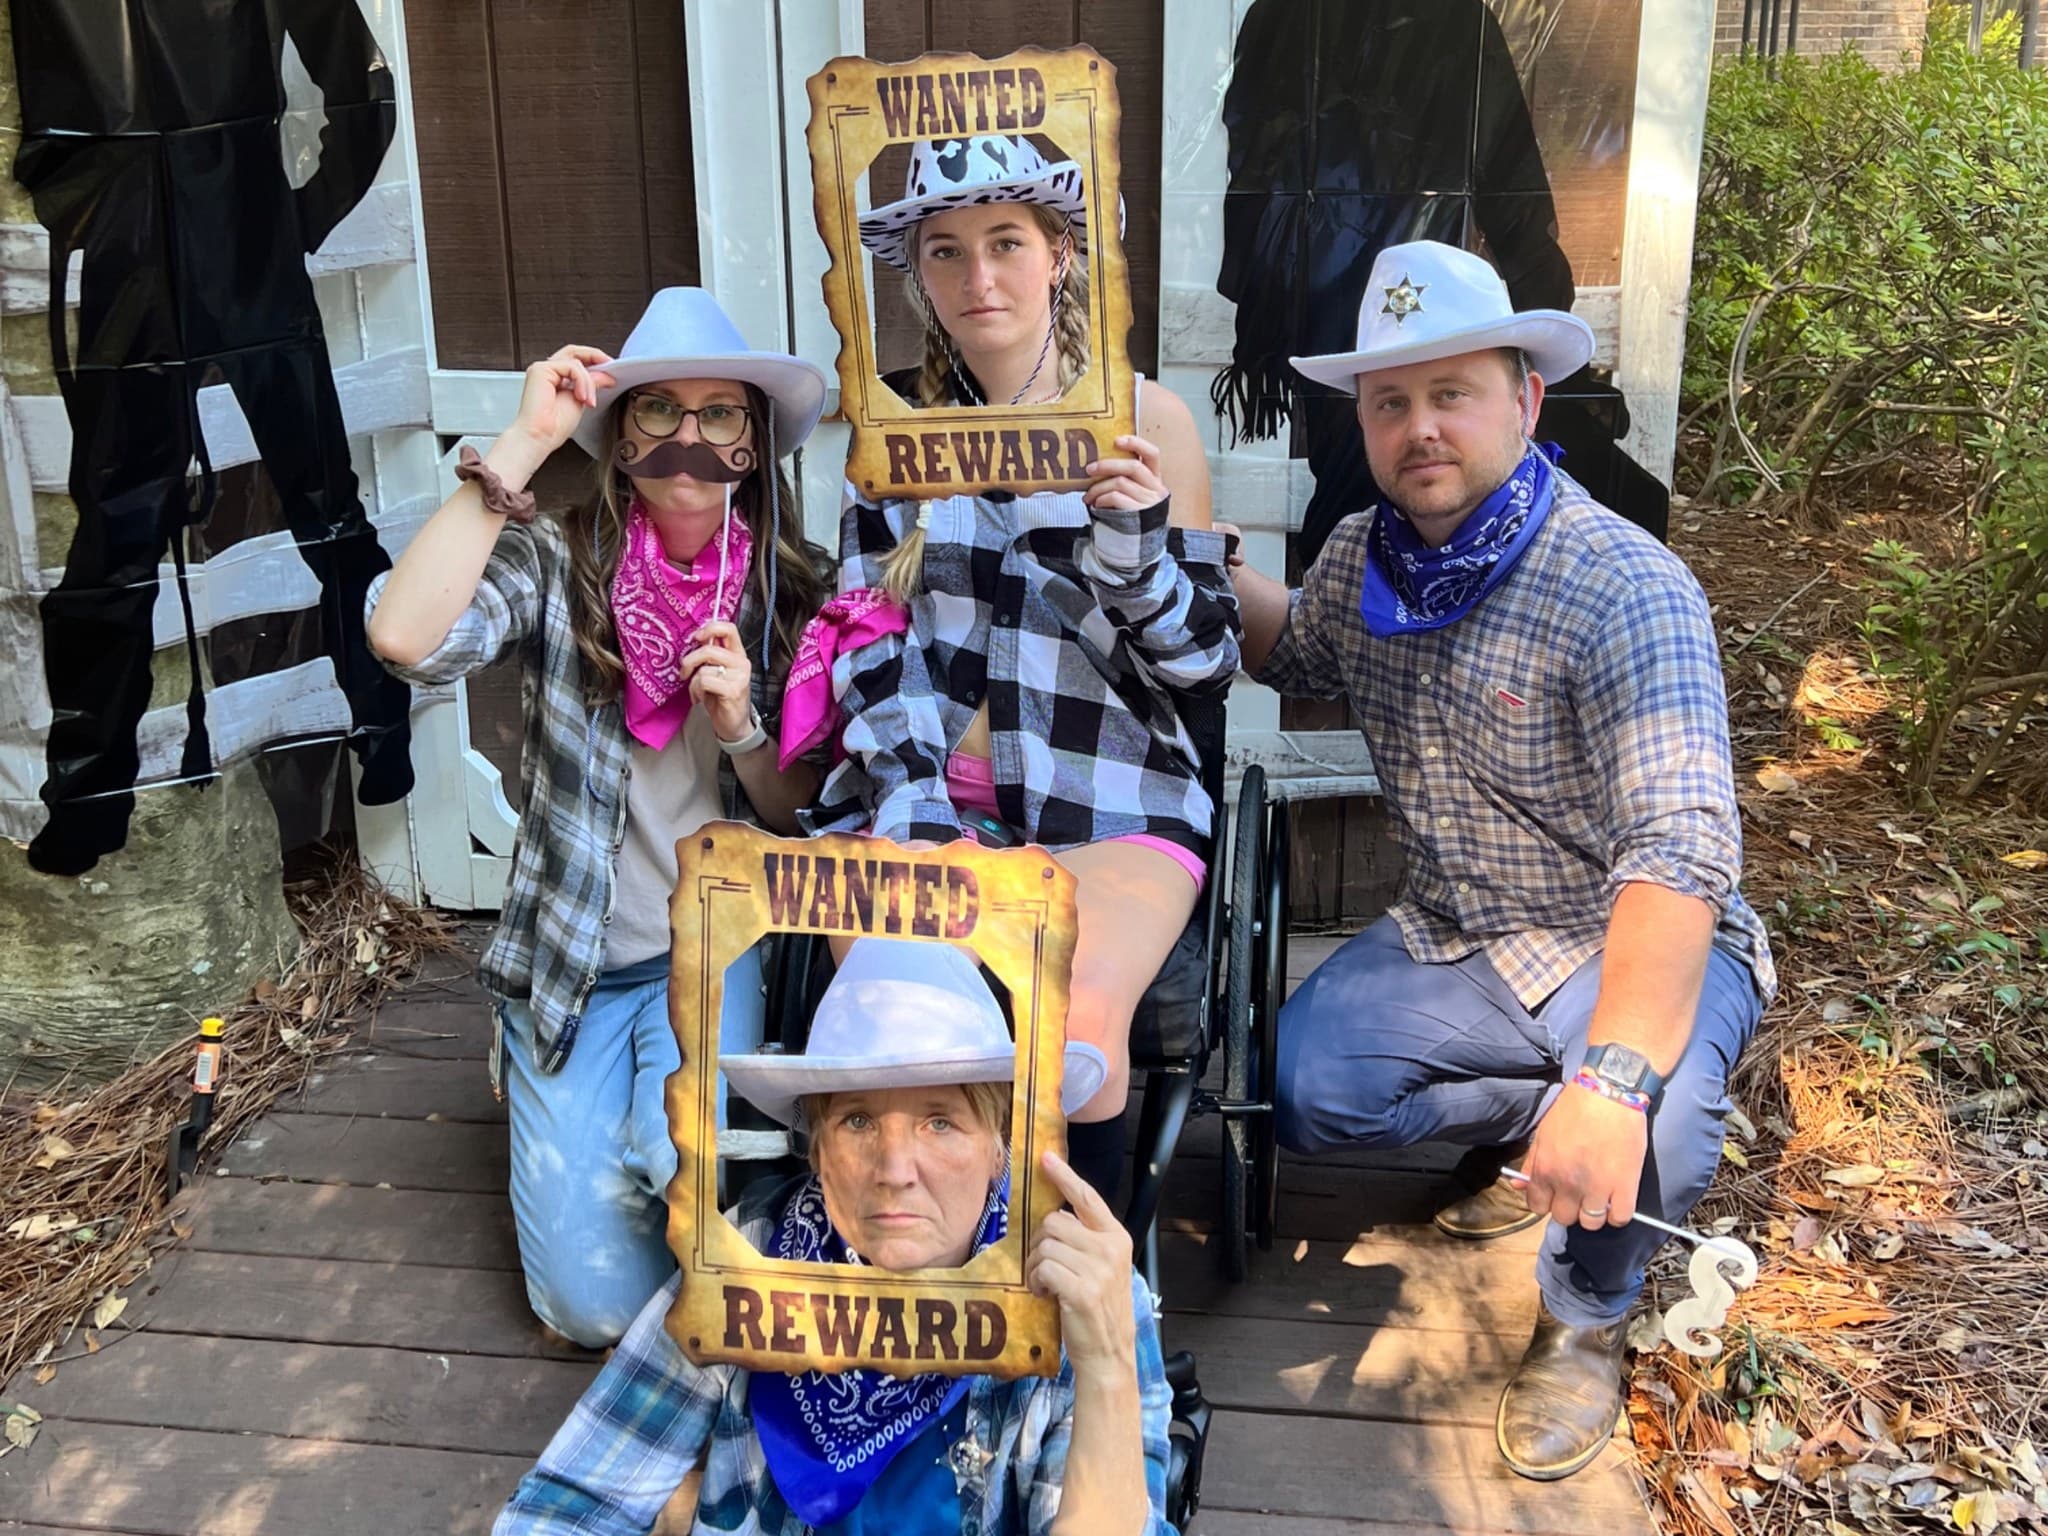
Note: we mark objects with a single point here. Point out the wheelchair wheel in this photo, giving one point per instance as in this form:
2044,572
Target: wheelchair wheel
1276,857
1240,995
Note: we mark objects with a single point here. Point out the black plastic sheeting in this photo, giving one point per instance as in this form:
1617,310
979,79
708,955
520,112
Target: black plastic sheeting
1359,124
152,146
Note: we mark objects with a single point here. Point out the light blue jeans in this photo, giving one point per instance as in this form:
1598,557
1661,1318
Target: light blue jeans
591,1154
1378,1050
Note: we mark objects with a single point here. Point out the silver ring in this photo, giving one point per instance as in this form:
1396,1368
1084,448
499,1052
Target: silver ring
718,667
1593,1210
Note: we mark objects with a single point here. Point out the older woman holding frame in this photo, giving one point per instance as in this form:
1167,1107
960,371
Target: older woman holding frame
910,1149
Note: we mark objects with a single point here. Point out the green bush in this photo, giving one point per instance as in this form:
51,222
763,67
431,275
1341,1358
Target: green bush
1869,329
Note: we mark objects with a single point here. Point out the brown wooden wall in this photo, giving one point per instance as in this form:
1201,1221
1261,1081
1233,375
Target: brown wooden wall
1129,33
555,170
558,189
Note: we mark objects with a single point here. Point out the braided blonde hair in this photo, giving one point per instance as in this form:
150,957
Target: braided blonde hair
903,571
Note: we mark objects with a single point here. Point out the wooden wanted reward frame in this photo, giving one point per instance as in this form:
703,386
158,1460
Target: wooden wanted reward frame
1015,909
860,107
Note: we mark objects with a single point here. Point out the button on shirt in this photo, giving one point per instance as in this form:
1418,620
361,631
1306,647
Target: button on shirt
1567,736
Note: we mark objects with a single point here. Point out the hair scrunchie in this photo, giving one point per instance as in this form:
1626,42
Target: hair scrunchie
498,497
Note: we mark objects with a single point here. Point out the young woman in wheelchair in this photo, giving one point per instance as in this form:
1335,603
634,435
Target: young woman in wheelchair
1015,660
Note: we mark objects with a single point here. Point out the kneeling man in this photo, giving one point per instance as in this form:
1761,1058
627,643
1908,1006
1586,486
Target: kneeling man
1570,972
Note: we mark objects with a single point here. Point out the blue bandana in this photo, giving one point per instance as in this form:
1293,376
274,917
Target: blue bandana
1410,587
827,1438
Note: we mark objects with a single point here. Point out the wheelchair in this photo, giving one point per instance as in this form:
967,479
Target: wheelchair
1215,1004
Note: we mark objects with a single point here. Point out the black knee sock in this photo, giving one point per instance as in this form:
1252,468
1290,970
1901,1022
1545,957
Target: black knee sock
1095,1148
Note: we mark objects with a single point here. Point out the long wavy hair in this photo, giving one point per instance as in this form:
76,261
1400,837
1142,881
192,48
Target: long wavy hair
903,571
595,530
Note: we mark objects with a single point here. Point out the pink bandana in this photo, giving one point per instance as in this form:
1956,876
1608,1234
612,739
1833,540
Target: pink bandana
657,606
810,712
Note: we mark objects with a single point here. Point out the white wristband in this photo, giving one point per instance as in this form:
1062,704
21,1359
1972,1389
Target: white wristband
757,737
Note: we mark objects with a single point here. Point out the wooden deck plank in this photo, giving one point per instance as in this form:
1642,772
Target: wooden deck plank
1416,1476
448,1402
406,1154
334,1221
1403,1275
339,1301
1400,1278
1344,1371
402,1088
454,1024
179,1482
1317,1202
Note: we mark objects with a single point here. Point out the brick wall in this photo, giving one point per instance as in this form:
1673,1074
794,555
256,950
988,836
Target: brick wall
1883,30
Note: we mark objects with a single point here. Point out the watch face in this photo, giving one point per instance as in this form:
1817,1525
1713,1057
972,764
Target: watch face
1621,1066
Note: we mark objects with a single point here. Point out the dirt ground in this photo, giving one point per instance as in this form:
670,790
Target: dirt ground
1888,1158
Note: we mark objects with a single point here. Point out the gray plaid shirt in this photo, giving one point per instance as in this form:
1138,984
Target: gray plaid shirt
549,945
1568,735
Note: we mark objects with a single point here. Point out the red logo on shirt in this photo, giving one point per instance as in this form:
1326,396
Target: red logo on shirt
1512,700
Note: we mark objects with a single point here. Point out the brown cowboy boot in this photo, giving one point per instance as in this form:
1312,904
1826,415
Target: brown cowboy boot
1491,1206
1560,1406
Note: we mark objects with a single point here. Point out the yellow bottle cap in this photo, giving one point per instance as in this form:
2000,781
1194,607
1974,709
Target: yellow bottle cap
211,1028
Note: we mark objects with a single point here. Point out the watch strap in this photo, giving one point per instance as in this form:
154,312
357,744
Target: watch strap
754,739
1647,1082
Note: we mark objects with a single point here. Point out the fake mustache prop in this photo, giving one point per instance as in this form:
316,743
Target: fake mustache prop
700,461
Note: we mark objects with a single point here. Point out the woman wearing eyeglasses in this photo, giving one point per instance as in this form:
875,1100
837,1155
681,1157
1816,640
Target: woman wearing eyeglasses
653,623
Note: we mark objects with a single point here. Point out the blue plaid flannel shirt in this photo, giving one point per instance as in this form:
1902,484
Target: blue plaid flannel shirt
548,947
651,1416
1568,735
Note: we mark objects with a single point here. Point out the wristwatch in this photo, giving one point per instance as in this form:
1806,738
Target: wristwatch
1625,1070
757,737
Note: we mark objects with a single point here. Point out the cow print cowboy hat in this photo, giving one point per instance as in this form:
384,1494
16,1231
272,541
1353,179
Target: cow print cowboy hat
960,173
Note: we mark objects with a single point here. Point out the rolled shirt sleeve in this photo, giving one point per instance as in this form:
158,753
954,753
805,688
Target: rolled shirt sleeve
1653,709
504,611
1186,631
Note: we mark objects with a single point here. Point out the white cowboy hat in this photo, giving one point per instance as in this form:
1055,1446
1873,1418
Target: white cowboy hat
685,335
1427,300
958,173
902,1013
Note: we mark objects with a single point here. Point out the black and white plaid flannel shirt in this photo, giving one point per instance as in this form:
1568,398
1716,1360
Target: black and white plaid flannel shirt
548,948
1077,627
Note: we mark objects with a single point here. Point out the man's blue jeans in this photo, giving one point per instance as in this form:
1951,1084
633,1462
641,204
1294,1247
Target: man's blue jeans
591,1154
1378,1050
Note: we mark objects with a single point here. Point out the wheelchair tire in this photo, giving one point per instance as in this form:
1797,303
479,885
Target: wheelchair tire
1276,856
1234,1233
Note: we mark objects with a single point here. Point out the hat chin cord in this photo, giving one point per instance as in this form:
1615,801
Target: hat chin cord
1052,328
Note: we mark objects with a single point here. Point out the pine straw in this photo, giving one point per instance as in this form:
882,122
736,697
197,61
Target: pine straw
1889,1163
83,1210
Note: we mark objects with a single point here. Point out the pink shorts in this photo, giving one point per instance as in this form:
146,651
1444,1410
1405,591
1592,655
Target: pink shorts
971,786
